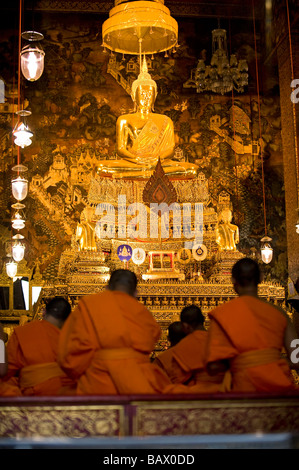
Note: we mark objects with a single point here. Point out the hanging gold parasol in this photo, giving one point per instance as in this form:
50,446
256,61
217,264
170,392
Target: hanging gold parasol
140,27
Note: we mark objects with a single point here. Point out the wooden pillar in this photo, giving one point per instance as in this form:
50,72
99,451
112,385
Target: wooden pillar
289,131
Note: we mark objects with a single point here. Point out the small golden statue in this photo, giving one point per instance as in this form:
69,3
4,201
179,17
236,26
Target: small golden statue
144,137
85,234
227,234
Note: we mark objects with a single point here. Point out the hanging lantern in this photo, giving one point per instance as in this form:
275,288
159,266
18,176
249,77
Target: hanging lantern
18,222
18,251
266,250
11,269
19,188
32,56
18,248
21,132
22,136
297,226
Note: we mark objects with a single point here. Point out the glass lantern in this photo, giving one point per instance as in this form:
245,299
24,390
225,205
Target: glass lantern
18,248
19,188
266,250
18,222
22,136
11,269
21,132
32,56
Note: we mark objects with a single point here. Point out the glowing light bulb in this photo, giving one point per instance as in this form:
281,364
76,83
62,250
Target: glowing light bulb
32,65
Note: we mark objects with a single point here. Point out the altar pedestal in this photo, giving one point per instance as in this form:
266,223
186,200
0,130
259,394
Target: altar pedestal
161,266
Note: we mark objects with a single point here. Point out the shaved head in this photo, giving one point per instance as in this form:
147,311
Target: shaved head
176,332
246,272
123,280
58,308
192,316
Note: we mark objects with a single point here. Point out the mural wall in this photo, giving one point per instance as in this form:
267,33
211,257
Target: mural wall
75,105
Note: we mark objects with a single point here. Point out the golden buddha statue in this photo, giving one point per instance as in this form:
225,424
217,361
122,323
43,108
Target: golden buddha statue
227,234
144,137
85,233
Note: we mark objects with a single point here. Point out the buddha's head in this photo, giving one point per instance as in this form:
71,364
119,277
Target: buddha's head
144,89
145,97
226,215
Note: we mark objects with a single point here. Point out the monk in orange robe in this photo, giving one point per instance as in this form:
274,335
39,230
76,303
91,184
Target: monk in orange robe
32,354
6,390
176,332
187,367
247,336
106,342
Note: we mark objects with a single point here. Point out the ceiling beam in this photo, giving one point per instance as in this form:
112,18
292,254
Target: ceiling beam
192,8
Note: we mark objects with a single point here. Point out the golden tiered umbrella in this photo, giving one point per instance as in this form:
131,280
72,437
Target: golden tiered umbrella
140,27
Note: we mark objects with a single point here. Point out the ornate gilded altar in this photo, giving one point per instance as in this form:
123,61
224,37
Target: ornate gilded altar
179,278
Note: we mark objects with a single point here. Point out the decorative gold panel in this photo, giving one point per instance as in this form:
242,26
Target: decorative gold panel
218,417
62,421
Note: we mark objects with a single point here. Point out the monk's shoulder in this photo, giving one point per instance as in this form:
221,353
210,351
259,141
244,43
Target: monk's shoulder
31,328
225,308
93,298
274,308
193,339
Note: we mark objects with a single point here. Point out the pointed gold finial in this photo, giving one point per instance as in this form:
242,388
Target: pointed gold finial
144,78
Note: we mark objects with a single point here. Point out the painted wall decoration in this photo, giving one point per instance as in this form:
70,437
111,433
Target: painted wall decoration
76,103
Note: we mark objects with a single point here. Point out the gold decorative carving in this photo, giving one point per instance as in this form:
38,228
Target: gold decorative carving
159,188
208,417
61,421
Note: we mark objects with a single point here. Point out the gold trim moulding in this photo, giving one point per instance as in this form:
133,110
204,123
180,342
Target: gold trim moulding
172,287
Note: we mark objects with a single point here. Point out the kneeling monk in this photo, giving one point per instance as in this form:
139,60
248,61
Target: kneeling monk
106,342
187,367
32,353
6,390
247,336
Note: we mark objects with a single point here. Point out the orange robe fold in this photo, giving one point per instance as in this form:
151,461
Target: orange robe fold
187,366
164,360
105,345
9,389
32,361
249,333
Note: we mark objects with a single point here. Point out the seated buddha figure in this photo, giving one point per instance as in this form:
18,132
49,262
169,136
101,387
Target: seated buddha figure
144,137
227,234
